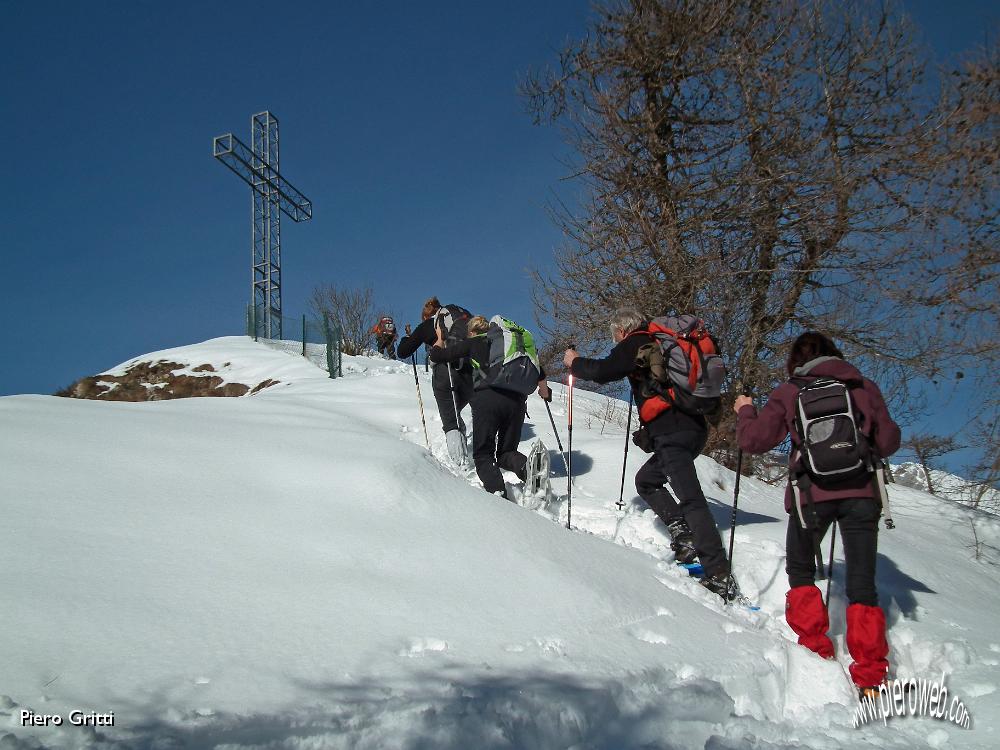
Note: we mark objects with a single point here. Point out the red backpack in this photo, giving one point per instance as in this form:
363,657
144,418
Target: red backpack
685,369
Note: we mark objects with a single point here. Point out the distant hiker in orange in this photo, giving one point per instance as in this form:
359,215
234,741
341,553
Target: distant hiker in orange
385,336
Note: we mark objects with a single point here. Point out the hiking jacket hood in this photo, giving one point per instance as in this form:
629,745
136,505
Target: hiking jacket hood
759,432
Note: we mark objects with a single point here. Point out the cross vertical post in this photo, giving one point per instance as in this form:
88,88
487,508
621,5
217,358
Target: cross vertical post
271,195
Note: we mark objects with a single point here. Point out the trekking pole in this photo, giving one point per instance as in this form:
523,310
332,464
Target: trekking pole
628,429
556,433
829,570
732,519
420,400
736,499
569,466
454,398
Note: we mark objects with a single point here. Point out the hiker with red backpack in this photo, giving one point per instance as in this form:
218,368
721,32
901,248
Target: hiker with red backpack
451,382
674,427
841,431
385,336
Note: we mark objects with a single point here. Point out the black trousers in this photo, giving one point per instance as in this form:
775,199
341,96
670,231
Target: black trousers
497,419
442,395
672,463
386,345
858,522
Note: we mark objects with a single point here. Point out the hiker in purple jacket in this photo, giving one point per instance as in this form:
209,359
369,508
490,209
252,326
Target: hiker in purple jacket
855,504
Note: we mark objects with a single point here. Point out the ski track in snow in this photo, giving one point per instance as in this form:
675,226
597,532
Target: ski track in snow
293,569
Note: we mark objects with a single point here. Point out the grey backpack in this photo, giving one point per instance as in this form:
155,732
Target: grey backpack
684,364
513,364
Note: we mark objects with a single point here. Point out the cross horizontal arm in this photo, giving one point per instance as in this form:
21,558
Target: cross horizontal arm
257,173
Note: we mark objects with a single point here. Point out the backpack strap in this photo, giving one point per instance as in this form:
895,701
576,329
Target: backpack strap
640,332
882,493
801,485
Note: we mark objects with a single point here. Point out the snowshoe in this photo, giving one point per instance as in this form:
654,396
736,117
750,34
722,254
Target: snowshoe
511,493
537,477
694,569
458,449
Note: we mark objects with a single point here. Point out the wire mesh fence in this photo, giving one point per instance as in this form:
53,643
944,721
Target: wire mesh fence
318,340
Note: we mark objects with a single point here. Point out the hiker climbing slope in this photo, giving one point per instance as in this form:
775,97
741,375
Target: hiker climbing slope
674,435
840,430
385,336
451,382
506,371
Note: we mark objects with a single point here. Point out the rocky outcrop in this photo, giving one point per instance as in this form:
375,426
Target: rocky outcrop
157,381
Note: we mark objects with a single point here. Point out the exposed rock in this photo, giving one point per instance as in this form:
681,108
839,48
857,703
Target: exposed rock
157,381
266,384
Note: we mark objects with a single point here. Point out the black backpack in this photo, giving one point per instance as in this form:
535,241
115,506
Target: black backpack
832,445
454,321
832,448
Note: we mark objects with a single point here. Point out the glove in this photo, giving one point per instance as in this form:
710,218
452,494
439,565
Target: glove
643,440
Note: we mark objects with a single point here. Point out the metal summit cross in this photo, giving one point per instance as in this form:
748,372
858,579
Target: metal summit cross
272,195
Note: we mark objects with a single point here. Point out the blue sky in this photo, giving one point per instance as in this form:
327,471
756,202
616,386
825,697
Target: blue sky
399,120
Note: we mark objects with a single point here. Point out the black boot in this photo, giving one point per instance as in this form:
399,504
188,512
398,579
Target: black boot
724,584
682,542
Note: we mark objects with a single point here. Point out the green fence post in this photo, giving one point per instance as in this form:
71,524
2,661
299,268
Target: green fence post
303,334
330,368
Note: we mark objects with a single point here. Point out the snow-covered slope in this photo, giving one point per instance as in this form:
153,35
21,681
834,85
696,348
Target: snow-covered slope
296,570
948,486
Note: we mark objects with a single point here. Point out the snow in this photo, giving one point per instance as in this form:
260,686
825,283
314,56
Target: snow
948,486
294,569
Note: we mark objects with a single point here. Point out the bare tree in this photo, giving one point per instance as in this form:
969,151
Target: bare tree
351,309
762,163
983,486
956,279
927,449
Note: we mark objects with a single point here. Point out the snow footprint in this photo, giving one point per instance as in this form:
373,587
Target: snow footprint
551,646
650,636
418,647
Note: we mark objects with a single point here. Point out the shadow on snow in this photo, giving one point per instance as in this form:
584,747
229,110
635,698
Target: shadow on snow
453,709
